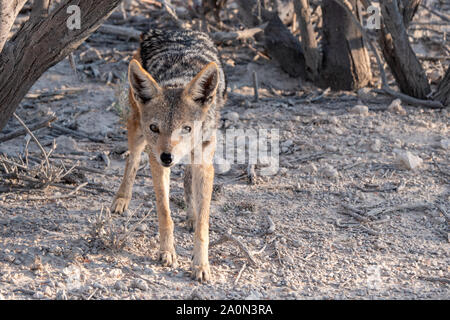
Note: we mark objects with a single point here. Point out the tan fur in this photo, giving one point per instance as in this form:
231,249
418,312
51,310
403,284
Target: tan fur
198,179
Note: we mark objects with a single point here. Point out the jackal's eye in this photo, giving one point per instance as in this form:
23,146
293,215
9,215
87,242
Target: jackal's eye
154,128
187,129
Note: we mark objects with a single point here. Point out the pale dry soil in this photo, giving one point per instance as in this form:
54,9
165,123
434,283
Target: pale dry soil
317,251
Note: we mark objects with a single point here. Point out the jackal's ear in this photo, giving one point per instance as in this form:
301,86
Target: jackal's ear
144,86
203,87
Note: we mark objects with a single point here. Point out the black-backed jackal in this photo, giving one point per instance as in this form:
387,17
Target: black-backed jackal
177,87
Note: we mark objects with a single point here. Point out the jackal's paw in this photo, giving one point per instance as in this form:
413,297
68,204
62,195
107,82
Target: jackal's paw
201,273
120,205
168,258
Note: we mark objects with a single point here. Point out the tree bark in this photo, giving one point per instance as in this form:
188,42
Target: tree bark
346,64
41,44
443,91
394,42
281,45
9,9
309,40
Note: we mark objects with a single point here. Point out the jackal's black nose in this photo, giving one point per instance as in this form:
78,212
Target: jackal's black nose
166,158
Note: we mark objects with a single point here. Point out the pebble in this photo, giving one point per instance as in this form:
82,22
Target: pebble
330,172
99,286
286,145
398,143
331,148
444,144
120,286
115,272
310,168
38,295
365,94
65,144
396,107
409,160
142,227
140,284
48,291
361,110
231,116
376,145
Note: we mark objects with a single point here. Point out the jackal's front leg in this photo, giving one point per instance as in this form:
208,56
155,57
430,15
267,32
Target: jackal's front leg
202,186
161,186
136,144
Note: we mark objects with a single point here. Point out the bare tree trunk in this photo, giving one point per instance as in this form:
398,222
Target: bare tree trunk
39,45
443,91
394,42
346,64
9,9
309,40
281,45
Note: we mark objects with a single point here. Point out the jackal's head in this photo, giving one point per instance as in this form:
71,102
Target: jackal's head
171,119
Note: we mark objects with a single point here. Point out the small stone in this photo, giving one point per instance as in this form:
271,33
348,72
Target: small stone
360,109
48,291
286,145
333,120
444,144
365,94
38,295
140,284
376,145
99,286
396,107
310,168
120,286
398,143
231,116
409,160
330,172
65,144
331,148
141,228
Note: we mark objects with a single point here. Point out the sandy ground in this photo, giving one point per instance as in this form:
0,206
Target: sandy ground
342,218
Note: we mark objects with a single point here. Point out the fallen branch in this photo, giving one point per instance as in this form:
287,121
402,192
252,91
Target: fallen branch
76,133
443,16
65,196
240,273
42,124
119,31
237,35
407,206
229,237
